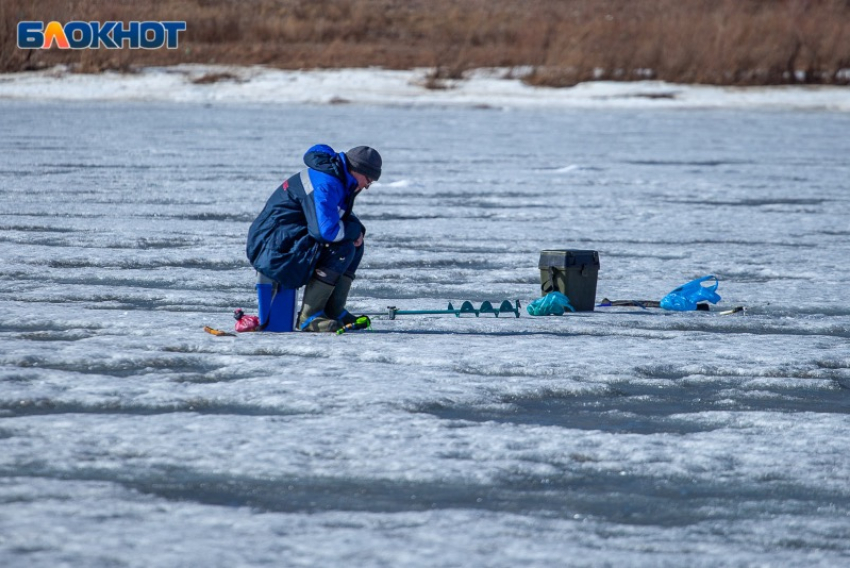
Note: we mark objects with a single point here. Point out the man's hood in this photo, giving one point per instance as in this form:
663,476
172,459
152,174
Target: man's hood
324,159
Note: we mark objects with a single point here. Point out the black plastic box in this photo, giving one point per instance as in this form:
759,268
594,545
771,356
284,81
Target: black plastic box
573,273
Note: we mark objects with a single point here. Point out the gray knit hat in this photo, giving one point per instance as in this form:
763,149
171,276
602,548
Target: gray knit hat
366,161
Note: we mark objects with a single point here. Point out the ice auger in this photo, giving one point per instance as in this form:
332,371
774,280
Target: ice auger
465,309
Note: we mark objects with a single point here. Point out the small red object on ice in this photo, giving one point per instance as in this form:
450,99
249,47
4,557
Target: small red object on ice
244,322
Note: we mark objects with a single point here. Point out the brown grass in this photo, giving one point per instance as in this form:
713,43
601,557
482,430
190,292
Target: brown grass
559,42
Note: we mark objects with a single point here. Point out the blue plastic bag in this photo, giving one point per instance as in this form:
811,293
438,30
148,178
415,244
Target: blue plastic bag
552,304
685,297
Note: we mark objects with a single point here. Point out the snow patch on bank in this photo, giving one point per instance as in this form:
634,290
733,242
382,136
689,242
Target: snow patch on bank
485,87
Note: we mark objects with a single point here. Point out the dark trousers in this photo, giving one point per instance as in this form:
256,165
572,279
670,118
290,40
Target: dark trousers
336,259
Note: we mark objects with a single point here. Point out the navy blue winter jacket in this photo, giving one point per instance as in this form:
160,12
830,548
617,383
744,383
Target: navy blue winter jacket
307,210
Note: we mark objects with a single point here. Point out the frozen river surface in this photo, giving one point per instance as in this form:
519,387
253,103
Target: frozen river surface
626,437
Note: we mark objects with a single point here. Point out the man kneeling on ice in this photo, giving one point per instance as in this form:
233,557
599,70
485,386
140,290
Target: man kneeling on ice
307,233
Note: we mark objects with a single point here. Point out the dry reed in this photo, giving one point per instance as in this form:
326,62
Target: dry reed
554,42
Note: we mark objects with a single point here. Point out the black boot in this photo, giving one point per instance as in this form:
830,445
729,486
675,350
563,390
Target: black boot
336,303
312,316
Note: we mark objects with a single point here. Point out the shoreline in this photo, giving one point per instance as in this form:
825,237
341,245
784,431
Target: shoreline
481,88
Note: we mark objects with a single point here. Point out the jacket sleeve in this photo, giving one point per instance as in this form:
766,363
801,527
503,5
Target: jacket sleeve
330,226
323,211
352,219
